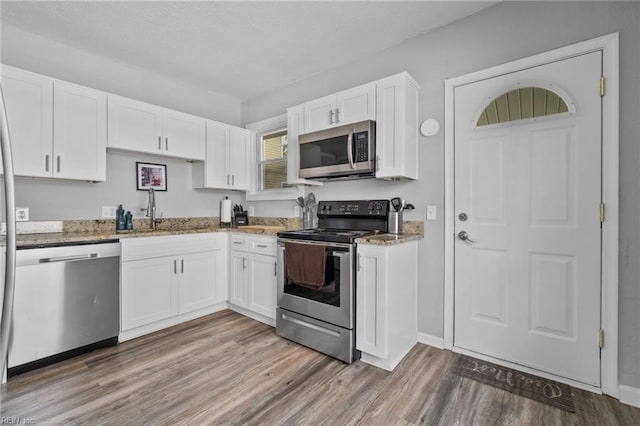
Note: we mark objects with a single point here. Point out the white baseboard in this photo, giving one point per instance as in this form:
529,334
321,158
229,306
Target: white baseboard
430,340
629,395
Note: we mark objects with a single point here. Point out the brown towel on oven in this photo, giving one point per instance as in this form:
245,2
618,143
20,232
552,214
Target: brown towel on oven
305,264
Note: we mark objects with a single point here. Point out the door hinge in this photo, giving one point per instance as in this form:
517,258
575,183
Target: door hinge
601,212
601,338
602,86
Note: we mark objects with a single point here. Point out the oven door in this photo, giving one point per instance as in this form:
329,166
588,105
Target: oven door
333,303
337,152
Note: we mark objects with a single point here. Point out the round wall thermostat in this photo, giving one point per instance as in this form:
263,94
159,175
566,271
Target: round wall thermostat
430,127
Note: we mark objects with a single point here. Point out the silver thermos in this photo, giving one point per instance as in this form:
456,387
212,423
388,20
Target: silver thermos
395,222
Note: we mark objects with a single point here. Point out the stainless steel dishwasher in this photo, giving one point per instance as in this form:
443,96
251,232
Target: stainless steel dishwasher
66,302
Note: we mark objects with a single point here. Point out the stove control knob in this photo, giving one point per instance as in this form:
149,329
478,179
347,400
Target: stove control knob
378,206
371,206
329,207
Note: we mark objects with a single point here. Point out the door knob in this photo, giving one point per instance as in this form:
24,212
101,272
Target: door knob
464,236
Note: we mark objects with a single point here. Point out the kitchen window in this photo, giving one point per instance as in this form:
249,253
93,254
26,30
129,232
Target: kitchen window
270,172
272,166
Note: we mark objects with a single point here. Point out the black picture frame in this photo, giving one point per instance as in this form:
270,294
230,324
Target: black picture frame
151,175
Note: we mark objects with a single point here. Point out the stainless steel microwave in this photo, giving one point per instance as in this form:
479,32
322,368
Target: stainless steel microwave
345,151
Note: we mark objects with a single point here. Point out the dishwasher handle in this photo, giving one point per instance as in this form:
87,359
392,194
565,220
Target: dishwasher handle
69,258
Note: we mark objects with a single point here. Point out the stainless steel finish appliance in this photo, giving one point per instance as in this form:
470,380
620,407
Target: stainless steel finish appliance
66,298
8,260
339,152
324,318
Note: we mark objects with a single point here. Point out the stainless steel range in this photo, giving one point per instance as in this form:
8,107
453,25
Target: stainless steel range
317,276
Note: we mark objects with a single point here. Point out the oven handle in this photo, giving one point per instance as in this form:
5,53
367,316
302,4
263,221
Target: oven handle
281,241
311,326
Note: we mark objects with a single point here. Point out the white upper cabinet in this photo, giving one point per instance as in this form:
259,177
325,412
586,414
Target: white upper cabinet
397,128
134,126
184,135
29,104
141,127
58,129
79,132
349,106
227,158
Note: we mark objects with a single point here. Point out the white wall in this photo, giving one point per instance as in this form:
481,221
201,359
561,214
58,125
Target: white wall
54,199
502,33
35,53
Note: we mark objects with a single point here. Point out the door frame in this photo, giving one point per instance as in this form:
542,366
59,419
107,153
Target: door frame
609,45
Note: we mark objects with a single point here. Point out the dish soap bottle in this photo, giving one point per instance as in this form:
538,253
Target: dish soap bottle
128,221
120,219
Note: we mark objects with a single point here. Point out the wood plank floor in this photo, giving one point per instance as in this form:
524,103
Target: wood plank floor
228,369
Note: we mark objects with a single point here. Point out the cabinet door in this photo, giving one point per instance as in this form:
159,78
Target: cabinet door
148,291
239,157
357,104
397,128
371,295
29,105
134,126
238,278
216,158
184,135
319,114
79,132
197,285
262,285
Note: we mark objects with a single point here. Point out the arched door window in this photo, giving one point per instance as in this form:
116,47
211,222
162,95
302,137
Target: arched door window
521,104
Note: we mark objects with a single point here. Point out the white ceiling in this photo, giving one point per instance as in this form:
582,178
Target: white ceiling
241,49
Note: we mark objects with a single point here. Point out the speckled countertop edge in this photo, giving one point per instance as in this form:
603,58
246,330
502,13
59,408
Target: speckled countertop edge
101,230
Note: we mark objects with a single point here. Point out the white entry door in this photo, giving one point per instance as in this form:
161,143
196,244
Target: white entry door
527,217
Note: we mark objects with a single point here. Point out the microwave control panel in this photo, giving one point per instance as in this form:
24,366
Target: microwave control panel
362,146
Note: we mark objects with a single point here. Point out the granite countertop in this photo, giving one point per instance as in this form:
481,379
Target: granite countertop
389,239
86,231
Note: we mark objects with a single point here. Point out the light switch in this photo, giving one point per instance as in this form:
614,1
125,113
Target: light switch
431,212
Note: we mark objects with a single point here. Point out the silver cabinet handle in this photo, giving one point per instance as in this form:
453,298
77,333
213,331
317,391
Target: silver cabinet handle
237,242
227,179
182,266
58,161
46,163
175,266
377,162
244,263
358,266
233,180
337,115
68,258
261,245
331,117
166,144
275,269
160,142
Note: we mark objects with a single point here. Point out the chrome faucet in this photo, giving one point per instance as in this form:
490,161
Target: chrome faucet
151,209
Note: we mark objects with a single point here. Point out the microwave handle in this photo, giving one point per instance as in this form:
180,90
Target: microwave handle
350,150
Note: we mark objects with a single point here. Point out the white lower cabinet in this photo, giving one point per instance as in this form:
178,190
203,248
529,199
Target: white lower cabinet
171,279
252,281
386,307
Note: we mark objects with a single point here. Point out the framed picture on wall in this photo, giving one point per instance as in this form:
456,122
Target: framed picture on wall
151,176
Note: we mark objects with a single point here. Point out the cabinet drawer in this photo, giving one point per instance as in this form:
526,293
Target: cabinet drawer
169,245
239,242
265,246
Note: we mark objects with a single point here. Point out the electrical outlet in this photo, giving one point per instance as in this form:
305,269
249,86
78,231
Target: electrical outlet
431,212
22,214
109,211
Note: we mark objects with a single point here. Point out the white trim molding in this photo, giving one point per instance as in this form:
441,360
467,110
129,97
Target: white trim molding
630,395
431,340
609,45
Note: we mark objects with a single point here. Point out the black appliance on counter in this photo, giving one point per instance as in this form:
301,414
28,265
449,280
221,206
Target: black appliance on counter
322,316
